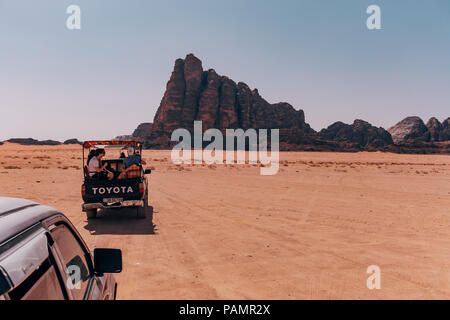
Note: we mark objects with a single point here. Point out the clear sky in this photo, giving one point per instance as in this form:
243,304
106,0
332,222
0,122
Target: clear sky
103,80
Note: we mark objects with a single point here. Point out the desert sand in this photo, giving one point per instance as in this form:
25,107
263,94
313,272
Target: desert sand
226,232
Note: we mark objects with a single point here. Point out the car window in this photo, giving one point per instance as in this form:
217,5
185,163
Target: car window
46,288
74,258
42,284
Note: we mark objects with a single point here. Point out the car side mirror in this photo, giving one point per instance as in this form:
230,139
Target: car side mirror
147,171
107,261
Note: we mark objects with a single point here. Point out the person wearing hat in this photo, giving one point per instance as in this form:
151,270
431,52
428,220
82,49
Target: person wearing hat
132,164
133,158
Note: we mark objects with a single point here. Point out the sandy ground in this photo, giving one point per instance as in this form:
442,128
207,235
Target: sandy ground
226,232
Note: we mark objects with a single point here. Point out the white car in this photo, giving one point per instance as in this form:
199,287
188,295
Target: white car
43,257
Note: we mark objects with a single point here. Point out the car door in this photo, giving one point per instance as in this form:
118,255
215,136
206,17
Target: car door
76,262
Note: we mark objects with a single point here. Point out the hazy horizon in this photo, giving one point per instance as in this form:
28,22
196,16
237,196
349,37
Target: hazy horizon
105,79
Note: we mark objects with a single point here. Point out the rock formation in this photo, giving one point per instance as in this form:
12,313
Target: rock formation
142,131
361,133
193,94
196,94
413,130
446,128
124,137
437,131
31,141
409,129
72,141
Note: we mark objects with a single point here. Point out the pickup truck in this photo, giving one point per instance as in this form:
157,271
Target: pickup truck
125,192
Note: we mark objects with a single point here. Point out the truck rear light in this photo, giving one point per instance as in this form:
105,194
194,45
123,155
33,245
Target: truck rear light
141,188
83,190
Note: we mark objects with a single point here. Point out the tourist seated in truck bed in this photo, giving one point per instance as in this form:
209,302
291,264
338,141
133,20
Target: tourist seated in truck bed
95,169
132,164
133,158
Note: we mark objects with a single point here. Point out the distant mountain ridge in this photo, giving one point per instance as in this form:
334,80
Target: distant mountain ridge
196,94
34,142
413,129
360,132
31,141
219,102
140,133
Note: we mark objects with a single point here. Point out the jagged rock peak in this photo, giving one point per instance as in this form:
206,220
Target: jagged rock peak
410,128
193,94
361,133
143,130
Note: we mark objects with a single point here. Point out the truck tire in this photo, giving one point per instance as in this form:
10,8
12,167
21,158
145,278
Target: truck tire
91,213
142,211
146,200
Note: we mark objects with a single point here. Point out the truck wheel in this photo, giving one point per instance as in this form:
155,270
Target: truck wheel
142,212
146,200
91,213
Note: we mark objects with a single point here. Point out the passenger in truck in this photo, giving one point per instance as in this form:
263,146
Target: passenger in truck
134,158
132,164
95,168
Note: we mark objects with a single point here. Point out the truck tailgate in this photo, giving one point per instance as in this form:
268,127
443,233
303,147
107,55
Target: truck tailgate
107,190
